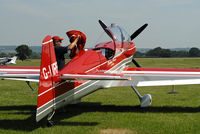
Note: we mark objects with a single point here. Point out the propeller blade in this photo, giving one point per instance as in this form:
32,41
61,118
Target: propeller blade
102,24
135,62
137,32
104,28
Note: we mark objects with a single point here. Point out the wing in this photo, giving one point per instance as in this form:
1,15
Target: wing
20,73
141,77
128,76
161,77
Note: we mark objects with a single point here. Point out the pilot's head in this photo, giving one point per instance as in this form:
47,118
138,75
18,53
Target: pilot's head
57,41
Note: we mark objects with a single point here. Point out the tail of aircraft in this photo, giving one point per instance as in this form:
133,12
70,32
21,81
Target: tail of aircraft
12,60
48,77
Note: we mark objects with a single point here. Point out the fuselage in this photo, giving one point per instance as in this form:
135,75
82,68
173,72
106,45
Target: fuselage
87,61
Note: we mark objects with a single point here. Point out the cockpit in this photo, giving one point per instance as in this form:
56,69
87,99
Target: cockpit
117,46
118,43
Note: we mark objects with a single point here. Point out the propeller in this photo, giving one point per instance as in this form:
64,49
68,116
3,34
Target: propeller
137,32
133,36
102,24
135,62
104,28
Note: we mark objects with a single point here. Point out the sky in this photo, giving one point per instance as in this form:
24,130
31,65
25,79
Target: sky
171,23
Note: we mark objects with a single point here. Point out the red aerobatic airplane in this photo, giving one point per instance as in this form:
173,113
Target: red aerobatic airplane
104,66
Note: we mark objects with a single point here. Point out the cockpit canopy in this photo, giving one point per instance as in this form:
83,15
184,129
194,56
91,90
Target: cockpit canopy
119,43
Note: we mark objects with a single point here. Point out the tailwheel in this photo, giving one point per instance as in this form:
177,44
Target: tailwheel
50,121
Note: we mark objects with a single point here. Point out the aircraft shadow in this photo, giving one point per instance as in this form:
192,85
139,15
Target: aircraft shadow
29,124
91,107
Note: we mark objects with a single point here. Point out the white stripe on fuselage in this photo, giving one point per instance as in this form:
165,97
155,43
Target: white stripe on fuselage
51,88
131,48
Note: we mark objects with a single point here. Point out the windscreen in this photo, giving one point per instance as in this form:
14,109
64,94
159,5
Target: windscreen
120,37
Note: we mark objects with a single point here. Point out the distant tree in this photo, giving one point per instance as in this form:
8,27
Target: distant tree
35,55
11,54
139,54
165,53
159,52
3,55
194,52
154,52
180,53
23,52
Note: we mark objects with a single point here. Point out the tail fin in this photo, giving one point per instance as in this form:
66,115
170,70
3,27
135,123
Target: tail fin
13,60
48,76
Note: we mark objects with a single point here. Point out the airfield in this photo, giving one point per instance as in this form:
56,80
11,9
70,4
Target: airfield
108,111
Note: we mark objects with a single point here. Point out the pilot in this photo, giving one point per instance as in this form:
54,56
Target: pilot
60,50
80,44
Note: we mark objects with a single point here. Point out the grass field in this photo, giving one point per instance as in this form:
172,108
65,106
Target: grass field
108,111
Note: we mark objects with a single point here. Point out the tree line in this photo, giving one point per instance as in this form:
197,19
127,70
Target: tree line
167,53
23,52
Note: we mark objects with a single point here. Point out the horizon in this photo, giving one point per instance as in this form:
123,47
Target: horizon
92,47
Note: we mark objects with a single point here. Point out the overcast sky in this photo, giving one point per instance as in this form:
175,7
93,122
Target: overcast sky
172,23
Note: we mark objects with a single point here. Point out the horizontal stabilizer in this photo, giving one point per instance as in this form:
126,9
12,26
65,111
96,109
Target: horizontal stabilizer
20,73
96,76
22,79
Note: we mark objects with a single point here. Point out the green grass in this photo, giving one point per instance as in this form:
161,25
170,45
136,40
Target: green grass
26,63
112,110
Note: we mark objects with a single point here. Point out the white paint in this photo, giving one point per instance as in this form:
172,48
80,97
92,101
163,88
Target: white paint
160,72
47,42
20,70
168,82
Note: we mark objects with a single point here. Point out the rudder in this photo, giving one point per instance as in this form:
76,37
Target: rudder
48,77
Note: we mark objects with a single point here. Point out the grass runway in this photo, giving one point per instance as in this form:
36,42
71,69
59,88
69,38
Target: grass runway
108,111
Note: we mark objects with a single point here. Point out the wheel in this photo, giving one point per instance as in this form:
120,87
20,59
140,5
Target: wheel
146,100
50,123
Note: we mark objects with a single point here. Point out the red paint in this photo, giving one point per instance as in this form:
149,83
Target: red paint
48,71
84,61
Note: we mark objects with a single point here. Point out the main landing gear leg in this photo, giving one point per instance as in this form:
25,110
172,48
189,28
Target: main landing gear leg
50,122
145,100
28,83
